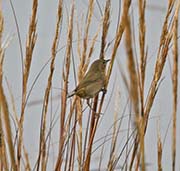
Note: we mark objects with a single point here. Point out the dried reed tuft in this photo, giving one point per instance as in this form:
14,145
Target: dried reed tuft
142,31
4,111
165,40
30,44
175,83
65,89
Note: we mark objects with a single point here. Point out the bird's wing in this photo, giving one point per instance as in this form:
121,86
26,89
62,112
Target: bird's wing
94,87
88,79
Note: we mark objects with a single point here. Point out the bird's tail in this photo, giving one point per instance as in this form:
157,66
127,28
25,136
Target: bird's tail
71,94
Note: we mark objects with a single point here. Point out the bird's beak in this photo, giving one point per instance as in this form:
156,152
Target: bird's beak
107,60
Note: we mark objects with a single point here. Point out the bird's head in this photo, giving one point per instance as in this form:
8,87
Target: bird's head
102,64
99,65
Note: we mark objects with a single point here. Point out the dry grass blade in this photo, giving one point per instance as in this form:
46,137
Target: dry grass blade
143,55
91,49
13,103
142,30
79,36
30,44
134,94
3,151
1,27
79,134
159,150
42,156
65,88
106,21
175,85
66,76
4,106
79,103
93,126
72,146
27,162
6,119
116,129
5,116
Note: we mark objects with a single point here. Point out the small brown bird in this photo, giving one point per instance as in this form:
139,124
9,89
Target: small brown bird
93,82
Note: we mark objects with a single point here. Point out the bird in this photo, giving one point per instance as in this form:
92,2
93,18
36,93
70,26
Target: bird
93,82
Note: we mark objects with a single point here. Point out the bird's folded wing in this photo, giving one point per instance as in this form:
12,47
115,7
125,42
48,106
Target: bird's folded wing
88,79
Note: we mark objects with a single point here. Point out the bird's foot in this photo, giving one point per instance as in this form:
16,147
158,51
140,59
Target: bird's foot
104,90
97,115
